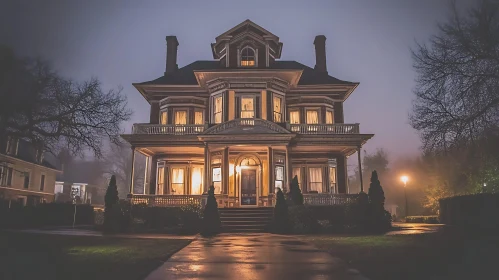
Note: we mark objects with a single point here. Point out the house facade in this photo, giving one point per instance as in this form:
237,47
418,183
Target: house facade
26,178
245,122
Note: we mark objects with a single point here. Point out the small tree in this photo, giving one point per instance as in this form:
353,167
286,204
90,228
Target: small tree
379,218
211,218
295,193
281,218
110,199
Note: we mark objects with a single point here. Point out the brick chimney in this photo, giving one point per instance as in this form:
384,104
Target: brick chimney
320,53
171,54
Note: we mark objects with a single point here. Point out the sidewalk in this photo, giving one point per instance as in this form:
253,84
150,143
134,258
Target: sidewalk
252,256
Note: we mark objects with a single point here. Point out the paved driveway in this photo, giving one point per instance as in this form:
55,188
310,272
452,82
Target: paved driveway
252,256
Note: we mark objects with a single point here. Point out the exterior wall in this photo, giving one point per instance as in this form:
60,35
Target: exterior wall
35,171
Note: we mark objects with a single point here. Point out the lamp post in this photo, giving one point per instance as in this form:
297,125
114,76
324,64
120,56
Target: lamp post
405,179
483,189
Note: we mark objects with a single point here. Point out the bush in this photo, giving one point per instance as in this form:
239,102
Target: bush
181,220
211,218
280,220
110,211
379,220
422,219
303,220
45,214
118,218
295,195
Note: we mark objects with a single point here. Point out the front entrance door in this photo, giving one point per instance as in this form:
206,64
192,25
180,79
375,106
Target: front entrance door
248,187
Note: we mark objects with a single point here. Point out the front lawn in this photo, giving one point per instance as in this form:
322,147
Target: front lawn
45,256
442,255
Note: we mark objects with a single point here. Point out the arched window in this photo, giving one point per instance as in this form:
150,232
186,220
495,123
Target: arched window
248,57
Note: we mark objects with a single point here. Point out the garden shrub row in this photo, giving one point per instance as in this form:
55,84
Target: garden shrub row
45,214
422,219
480,211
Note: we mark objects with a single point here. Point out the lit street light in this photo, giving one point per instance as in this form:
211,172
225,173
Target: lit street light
405,179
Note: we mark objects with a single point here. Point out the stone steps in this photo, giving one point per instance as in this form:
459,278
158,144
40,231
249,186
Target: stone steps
245,219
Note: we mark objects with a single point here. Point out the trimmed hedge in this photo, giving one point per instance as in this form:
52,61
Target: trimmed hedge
184,220
422,219
479,211
46,214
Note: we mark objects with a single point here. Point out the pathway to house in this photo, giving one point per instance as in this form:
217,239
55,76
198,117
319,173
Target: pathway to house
252,256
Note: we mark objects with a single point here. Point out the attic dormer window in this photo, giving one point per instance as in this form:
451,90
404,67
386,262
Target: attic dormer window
248,57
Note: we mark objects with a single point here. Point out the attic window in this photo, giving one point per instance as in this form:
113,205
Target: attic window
248,58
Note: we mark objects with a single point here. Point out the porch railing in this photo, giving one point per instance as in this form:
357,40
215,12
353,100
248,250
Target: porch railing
169,129
324,128
329,199
169,200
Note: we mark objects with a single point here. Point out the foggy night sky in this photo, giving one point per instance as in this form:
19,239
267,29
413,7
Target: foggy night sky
123,42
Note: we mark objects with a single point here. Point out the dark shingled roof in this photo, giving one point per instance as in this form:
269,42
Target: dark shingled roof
185,75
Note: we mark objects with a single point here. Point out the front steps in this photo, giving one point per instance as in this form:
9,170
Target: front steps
245,219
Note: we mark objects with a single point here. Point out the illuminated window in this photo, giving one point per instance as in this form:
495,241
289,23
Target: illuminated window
217,180
297,172
197,180
247,107
164,118
277,109
315,179
198,117
178,179
217,109
332,179
248,57
161,180
312,116
180,117
294,117
279,177
329,117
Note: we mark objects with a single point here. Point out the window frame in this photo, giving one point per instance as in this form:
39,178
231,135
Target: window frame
184,179
247,96
332,116
213,108
175,110
43,178
28,181
291,111
163,113
309,182
160,174
202,116
318,110
280,166
240,57
191,173
281,113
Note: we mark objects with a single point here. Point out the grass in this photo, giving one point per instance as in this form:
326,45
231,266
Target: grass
44,256
442,255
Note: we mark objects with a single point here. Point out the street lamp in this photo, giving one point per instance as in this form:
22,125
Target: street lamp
405,179
484,185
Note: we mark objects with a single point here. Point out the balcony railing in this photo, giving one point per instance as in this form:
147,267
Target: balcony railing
171,129
324,128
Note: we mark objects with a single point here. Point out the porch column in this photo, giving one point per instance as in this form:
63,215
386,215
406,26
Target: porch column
225,171
288,168
206,179
270,157
360,169
146,173
153,174
133,170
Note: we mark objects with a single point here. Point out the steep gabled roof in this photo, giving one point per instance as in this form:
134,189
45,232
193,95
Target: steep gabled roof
185,75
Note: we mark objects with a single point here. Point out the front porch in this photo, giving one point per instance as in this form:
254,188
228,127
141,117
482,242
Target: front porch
226,201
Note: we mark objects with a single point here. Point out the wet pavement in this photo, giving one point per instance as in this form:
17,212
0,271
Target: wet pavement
252,256
414,228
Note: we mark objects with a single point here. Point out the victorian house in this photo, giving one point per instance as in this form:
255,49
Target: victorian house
245,122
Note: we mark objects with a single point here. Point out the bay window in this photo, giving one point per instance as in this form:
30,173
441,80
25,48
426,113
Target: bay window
198,117
247,107
312,116
315,179
178,180
277,105
180,117
217,109
163,118
329,117
294,117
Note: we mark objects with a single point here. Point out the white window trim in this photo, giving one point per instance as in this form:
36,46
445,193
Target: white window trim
170,181
252,96
212,109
